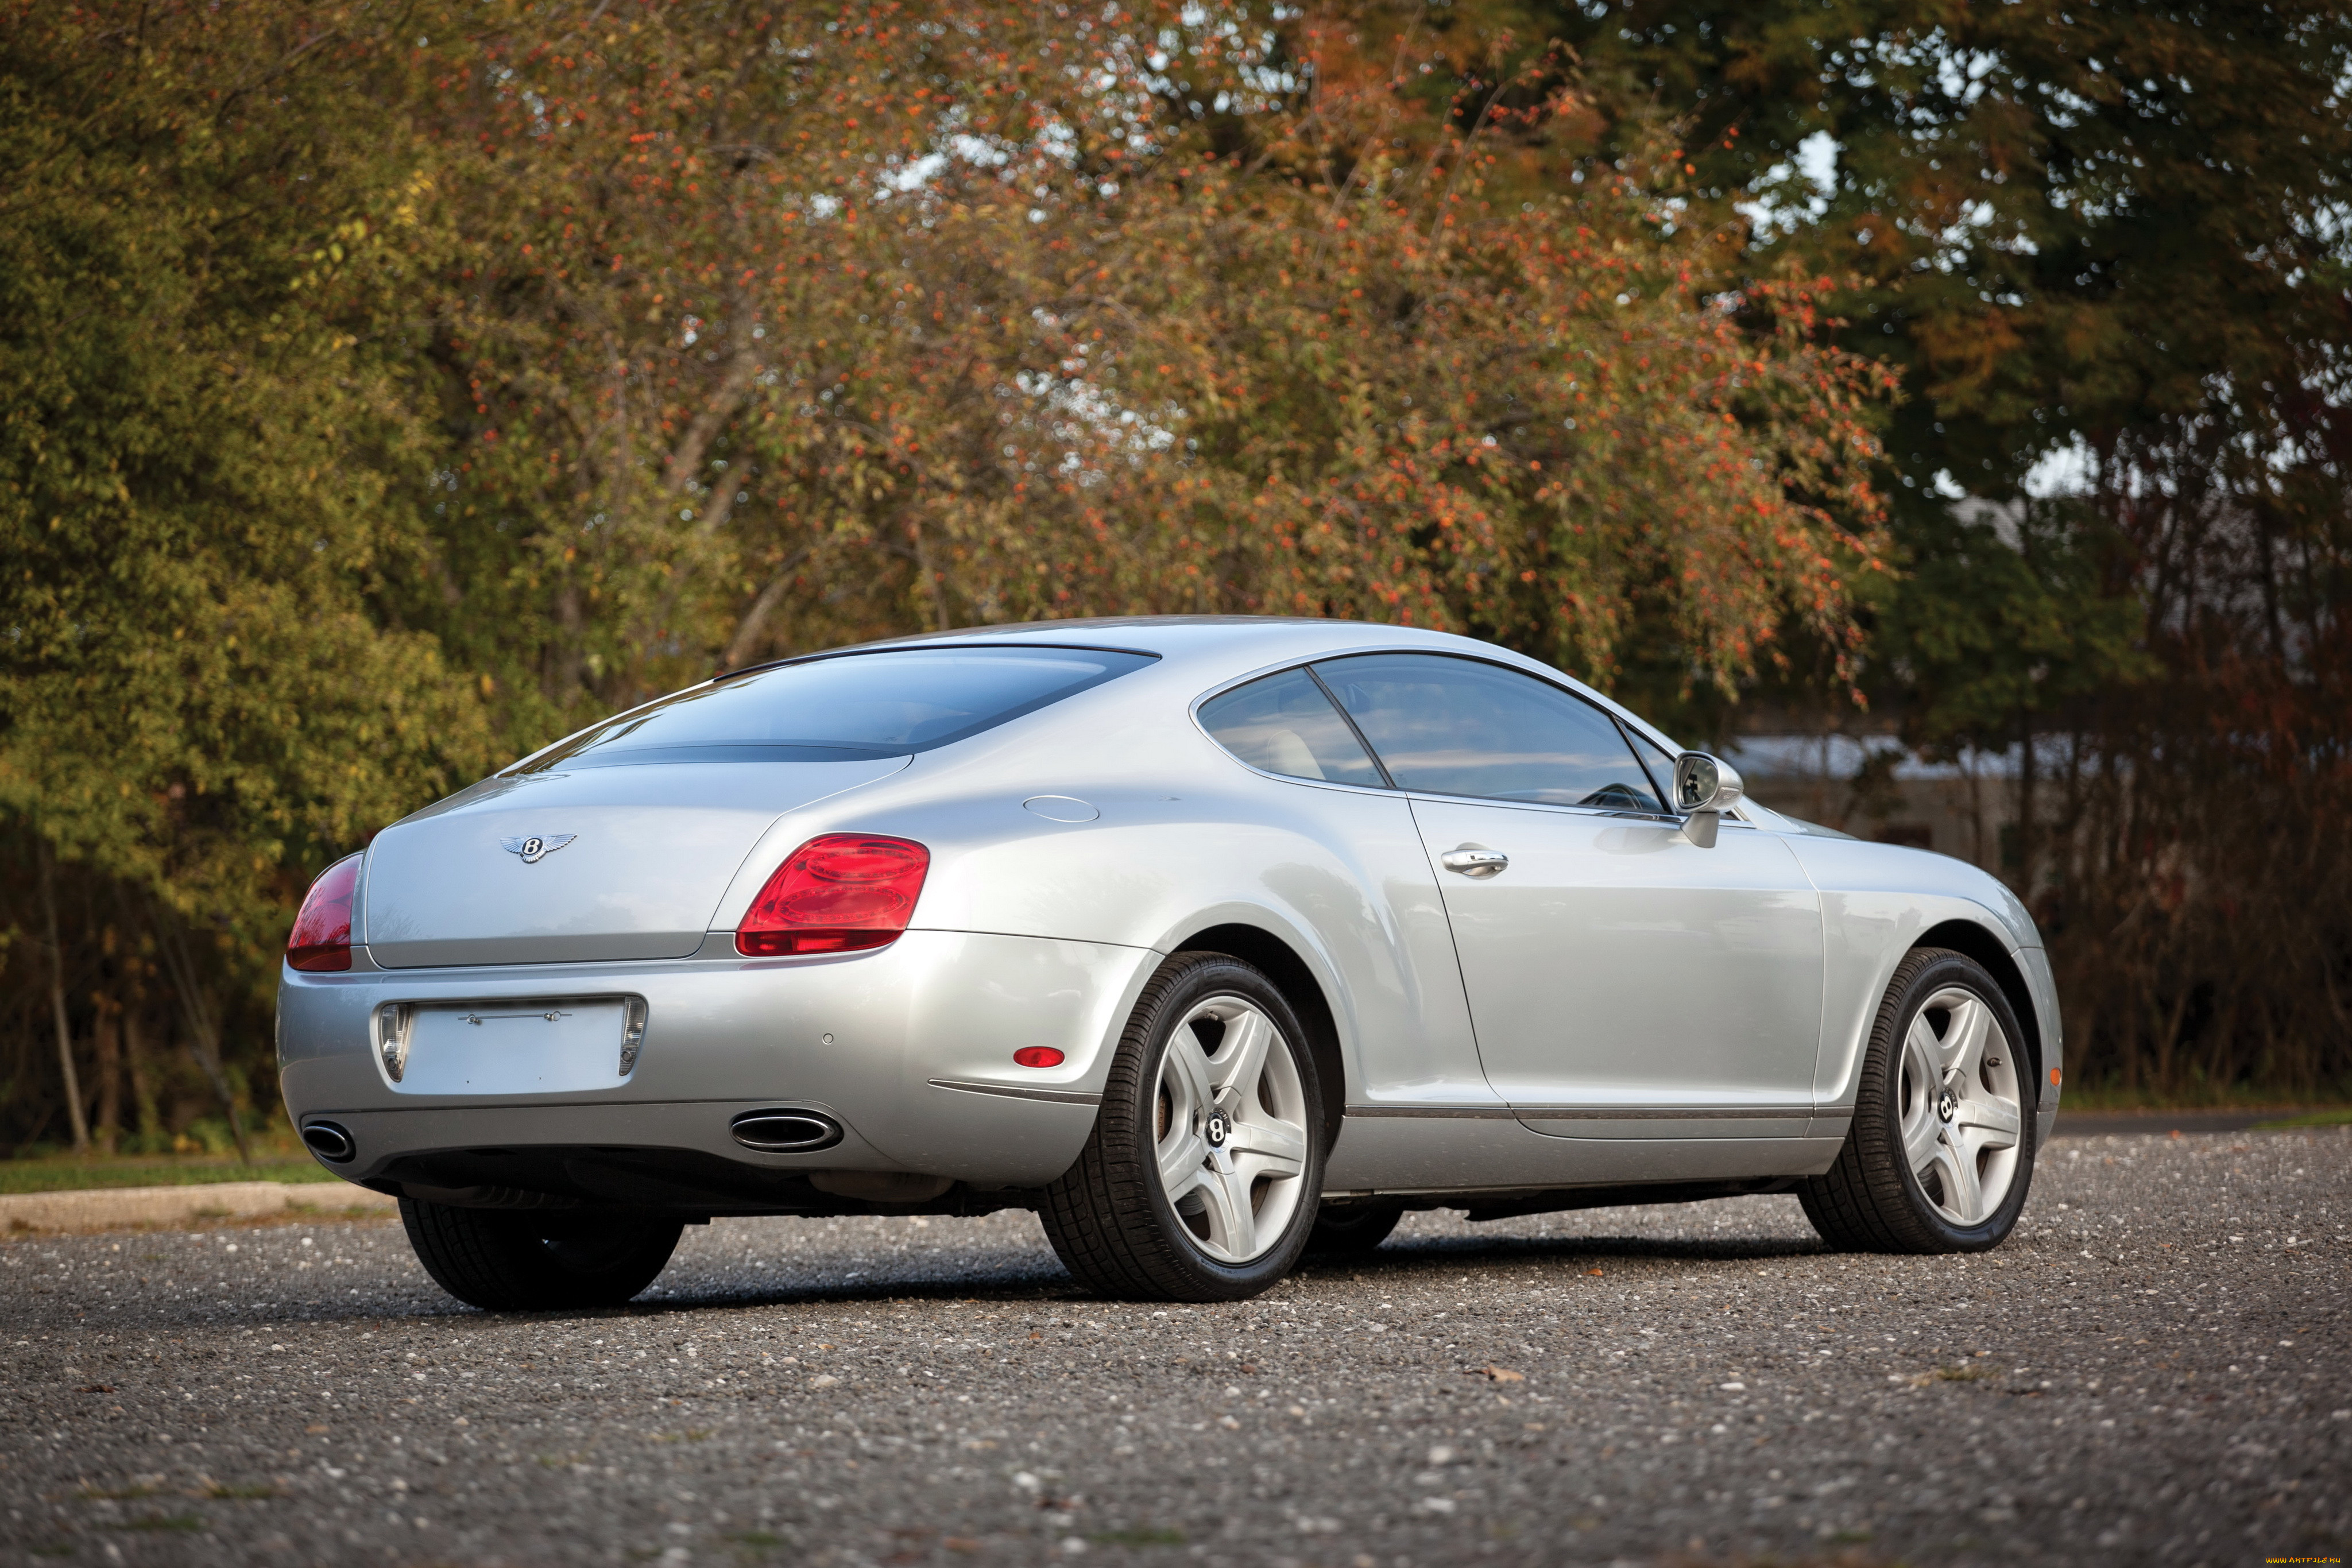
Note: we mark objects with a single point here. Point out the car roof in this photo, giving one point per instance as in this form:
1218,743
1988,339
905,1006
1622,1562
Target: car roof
1220,648
1190,636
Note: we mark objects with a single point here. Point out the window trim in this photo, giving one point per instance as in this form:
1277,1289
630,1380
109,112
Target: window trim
1379,766
1664,792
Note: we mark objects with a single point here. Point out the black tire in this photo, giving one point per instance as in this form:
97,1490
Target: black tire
1872,1200
503,1260
1109,1216
1352,1231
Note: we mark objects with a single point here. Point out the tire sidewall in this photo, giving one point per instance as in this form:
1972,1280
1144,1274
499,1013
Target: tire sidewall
1943,972
1207,976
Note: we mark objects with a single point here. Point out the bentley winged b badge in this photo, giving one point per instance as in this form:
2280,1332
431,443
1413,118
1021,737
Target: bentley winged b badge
535,848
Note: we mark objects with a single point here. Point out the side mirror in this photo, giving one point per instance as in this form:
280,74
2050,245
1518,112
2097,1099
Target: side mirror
1704,787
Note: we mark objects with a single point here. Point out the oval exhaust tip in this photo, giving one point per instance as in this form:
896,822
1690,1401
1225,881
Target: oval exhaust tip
329,1141
785,1132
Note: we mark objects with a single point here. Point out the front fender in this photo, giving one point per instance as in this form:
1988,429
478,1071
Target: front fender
1878,901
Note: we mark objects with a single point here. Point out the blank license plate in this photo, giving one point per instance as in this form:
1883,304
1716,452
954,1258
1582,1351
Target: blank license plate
515,1048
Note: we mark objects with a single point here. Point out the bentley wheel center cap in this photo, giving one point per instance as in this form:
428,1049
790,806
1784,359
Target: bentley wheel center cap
1216,1130
1945,1105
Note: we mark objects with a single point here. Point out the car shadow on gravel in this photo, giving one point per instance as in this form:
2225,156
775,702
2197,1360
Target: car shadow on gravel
1410,1253
1022,1279
1006,1275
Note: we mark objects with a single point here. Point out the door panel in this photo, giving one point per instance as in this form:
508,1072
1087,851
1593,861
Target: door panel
1626,984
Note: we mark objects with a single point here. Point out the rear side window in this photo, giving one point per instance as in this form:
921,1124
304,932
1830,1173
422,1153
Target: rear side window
1285,725
1457,727
845,707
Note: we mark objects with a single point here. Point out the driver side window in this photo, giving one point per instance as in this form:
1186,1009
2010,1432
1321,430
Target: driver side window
1458,727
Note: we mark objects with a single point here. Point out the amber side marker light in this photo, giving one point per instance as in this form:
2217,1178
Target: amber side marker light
841,892
2054,1077
321,937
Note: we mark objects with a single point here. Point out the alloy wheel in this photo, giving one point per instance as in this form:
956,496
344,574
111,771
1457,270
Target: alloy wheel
1960,1108
1229,1129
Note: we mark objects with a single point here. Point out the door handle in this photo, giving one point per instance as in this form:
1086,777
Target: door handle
1474,861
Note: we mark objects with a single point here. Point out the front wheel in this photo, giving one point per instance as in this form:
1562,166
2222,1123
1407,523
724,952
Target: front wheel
506,1260
1200,1179
1941,1151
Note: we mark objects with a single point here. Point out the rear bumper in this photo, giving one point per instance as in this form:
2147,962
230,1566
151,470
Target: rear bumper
878,1041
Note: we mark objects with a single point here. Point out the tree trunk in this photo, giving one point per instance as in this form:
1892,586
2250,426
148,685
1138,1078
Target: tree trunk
142,1090
57,1005
108,1042
2025,807
203,1032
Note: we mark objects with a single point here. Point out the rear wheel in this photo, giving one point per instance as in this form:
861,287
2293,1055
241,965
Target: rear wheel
1941,1151
503,1260
1200,1181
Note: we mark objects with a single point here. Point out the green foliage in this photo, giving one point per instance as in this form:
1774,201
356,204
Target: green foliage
384,393
202,454
197,491
2007,620
2111,236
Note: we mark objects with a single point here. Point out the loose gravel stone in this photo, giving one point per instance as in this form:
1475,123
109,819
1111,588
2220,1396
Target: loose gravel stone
2156,1368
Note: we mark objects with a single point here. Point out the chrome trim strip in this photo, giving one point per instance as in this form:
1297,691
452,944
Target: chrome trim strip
1664,1112
1010,1091
1593,1114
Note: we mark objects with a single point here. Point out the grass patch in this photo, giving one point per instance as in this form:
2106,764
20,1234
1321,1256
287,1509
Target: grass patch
226,1493
2340,1116
1961,1373
65,1174
2102,1097
115,1494
759,1539
168,1524
1144,1537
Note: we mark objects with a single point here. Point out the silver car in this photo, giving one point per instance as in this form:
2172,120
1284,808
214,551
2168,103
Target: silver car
1212,941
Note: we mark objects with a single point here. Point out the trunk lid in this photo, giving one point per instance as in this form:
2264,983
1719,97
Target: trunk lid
599,865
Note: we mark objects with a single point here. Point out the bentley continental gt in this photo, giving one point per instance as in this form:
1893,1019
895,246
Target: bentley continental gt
1210,940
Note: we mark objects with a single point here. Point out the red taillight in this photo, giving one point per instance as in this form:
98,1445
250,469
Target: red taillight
323,932
1037,1056
838,893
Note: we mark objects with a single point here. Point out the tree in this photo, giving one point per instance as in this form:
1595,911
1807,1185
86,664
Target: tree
198,706
392,390
2105,238
998,309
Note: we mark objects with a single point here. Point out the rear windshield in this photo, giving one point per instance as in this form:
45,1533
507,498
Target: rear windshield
844,707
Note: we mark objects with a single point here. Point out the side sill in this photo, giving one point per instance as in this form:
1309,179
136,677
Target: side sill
1593,1113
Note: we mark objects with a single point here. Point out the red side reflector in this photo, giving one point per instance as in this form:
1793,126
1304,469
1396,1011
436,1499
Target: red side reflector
838,893
1037,1056
321,938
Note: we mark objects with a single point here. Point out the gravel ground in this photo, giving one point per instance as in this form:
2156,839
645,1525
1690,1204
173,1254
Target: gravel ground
2157,1368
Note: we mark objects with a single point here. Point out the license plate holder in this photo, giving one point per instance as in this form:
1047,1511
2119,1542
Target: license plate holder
530,1046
